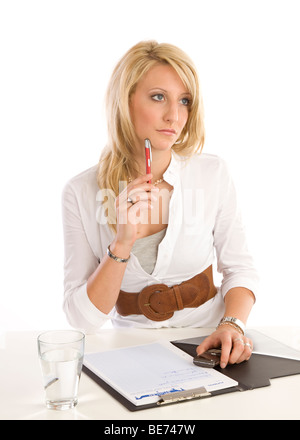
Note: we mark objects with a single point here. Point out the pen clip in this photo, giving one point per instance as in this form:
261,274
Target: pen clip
148,145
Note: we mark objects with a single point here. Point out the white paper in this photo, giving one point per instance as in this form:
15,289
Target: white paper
143,373
263,344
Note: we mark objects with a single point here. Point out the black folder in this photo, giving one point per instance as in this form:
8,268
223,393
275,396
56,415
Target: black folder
255,373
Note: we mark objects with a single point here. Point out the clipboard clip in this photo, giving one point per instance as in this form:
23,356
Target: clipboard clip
179,396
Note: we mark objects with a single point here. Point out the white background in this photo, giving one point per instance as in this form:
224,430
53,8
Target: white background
56,58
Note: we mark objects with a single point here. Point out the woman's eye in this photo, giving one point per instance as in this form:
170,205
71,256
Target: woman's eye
185,101
158,97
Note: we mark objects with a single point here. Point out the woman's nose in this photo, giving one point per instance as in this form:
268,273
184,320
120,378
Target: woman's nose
171,113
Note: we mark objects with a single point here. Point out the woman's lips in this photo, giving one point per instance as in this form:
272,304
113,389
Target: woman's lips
168,132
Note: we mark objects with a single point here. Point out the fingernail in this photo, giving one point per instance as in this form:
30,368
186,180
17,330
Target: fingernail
222,365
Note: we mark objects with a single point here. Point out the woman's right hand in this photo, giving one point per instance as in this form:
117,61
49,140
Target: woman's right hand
104,283
129,214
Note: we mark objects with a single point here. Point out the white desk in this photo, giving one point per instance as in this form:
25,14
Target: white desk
22,394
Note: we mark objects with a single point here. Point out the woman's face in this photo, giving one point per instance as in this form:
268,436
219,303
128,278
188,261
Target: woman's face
159,107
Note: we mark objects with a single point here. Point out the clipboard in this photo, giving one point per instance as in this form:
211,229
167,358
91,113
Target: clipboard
255,373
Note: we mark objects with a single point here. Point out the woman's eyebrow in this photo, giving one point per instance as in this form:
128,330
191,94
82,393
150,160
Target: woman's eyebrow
158,88
153,89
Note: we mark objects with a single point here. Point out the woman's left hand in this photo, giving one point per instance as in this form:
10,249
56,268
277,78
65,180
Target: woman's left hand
236,348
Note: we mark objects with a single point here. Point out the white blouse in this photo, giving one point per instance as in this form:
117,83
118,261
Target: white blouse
204,219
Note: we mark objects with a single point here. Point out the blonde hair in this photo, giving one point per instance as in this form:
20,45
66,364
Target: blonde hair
117,160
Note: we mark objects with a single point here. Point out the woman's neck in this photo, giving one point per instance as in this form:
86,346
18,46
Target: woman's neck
159,164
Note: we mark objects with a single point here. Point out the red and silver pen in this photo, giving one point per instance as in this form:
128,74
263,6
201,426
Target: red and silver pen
148,155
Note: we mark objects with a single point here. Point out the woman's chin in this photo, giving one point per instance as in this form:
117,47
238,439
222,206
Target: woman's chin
162,145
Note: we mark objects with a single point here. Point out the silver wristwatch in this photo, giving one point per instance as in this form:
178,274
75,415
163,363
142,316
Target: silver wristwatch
114,257
234,321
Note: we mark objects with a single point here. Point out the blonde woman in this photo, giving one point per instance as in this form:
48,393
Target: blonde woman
139,248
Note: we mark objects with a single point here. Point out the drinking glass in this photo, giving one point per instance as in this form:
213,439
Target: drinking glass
61,356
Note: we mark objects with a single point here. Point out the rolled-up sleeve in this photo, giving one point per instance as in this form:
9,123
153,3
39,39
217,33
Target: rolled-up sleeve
79,263
233,258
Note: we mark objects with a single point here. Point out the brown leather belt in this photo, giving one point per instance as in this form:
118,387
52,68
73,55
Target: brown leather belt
159,302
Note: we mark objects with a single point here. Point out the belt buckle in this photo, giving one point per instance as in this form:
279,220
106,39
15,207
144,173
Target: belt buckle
144,302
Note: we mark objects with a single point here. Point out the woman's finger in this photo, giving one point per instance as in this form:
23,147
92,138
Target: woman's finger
242,350
226,349
247,352
248,348
134,212
140,181
211,341
238,348
133,198
142,190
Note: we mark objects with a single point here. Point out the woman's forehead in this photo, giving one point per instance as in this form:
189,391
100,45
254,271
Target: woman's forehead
164,77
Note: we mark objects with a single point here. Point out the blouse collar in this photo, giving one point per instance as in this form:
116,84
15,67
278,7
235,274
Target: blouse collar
171,175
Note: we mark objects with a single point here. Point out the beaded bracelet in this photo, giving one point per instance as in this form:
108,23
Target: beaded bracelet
232,325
